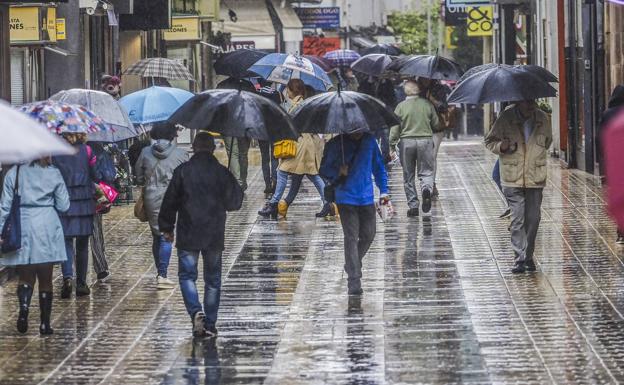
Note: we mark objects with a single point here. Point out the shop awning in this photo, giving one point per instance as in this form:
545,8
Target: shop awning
253,25
292,29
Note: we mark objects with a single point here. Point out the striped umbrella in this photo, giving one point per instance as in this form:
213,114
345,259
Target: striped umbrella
342,57
62,118
158,67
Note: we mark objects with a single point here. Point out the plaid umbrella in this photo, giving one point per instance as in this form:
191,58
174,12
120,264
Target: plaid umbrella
342,57
158,67
60,117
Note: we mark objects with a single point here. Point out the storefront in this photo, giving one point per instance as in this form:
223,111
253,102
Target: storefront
288,25
32,29
252,24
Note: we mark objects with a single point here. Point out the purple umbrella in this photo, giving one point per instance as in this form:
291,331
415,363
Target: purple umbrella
325,64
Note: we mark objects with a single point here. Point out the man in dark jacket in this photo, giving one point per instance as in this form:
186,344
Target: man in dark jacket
349,164
200,193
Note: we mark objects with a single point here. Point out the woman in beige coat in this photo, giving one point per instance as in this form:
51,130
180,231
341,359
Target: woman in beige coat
305,163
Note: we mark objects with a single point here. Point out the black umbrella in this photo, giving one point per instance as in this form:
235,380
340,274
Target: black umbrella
373,64
343,112
427,66
386,49
238,114
235,64
501,83
540,72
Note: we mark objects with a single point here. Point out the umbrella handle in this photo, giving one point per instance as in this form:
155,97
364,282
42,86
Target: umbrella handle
230,153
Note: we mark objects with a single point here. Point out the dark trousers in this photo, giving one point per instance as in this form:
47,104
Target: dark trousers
359,228
269,164
98,250
187,274
81,254
384,144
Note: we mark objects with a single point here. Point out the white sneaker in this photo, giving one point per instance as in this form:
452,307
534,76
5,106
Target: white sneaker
163,283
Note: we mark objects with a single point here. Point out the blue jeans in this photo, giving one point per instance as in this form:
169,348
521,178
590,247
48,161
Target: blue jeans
282,182
187,274
161,250
80,254
496,175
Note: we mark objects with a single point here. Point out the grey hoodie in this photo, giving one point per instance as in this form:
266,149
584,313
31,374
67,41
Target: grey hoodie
154,169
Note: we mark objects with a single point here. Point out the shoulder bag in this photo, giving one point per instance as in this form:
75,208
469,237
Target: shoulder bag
12,229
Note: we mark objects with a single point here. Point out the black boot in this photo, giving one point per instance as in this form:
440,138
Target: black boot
24,294
45,305
269,210
67,288
327,210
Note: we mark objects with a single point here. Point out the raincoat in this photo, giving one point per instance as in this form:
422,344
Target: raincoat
154,169
43,194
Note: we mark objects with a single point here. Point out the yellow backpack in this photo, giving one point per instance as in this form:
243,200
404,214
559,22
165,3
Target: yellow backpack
285,149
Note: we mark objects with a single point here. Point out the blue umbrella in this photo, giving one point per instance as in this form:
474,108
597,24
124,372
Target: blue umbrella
280,68
154,104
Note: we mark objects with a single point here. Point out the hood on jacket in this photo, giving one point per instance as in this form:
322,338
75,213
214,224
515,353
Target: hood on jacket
617,97
162,148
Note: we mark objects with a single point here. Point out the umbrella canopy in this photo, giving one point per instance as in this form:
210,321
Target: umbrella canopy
344,112
612,142
61,118
386,49
158,67
501,84
540,72
105,107
24,139
342,57
373,65
427,66
280,68
233,113
325,64
235,64
154,104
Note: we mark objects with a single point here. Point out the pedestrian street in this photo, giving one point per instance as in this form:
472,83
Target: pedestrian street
440,304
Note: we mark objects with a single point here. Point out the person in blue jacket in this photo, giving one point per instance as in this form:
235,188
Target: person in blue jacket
349,164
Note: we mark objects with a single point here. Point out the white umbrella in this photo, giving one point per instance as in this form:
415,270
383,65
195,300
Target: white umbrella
24,139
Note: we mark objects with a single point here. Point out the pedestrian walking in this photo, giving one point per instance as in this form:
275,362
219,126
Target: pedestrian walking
42,194
416,146
521,137
349,163
105,172
78,174
198,197
154,170
306,162
616,102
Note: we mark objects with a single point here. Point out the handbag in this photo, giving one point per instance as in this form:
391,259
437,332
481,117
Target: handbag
140,212
105,197
12,229
285,149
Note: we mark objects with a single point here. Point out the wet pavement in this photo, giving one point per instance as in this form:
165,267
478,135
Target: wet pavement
440,305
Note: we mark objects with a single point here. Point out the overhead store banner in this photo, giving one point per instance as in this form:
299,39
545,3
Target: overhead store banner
183,29
451,3
24,24
236,45
319,17
455,15
480,21
319,46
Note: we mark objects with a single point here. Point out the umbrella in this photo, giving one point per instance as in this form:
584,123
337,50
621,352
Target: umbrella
61,118
343,112
541,72
235,64
154,104
24,139
372,65
342,57
427,66
158,67
325,64
612,142
105,107
280,68
501,84
386,49
233,113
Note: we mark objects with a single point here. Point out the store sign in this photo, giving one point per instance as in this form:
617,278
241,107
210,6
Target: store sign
319,17
49,25
455,15
183,29
450,40
24,24
319,46
480,21
236,45
60,29
465,3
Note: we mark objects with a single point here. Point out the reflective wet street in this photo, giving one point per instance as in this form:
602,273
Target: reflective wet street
440,305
